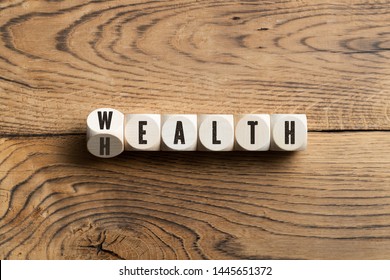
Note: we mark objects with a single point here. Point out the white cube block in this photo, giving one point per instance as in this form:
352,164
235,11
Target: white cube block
288,132
252,132
179,132
215,132
105,132
142,132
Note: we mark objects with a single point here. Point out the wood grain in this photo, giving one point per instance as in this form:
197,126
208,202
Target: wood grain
329,59
59,60
329,202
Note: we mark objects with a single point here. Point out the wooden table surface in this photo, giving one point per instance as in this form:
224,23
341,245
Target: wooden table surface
59,60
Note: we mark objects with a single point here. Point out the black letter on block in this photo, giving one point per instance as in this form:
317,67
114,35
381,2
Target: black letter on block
105,146
215,141
142,132
103,119
289,132
179,134
252,124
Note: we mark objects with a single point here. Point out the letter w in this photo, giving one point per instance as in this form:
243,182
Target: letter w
103,120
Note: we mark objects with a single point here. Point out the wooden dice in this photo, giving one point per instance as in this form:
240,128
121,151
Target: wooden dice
216,132
288,132
109,132
179,132
142,132
105,132
252,132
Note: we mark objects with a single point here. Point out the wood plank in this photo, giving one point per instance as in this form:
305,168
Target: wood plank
59,60
329,202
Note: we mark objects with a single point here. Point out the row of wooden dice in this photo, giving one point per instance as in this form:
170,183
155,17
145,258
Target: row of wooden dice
109,132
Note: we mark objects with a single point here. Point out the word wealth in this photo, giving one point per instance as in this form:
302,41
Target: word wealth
109,132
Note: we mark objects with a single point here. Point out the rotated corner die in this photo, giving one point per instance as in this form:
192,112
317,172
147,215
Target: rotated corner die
105,132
